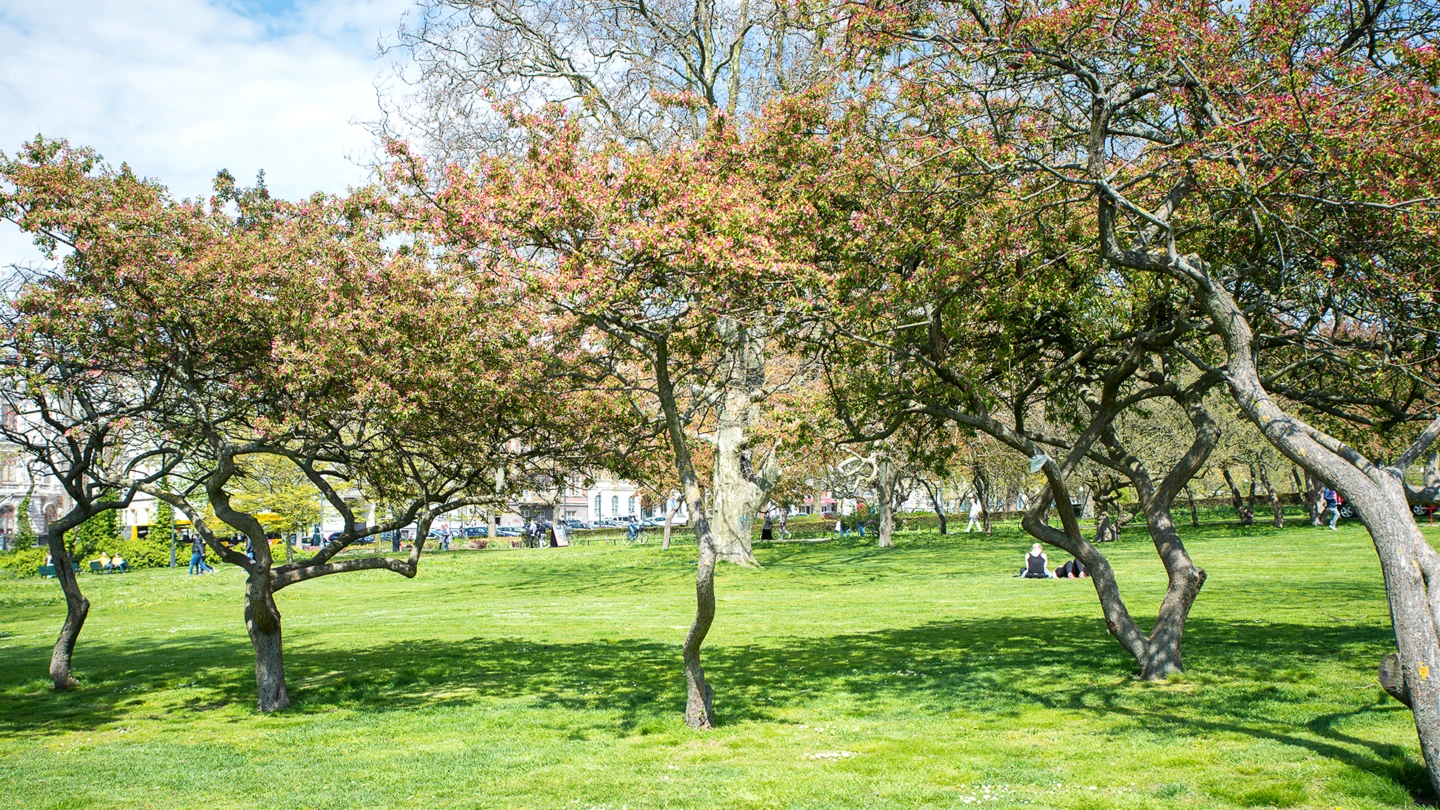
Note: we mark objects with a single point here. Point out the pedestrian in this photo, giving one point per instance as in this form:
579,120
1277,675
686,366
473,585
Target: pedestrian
197,557
1332,502
767,528
249,548
840,526
975,513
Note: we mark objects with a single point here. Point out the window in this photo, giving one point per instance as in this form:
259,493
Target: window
615,504
630,507
597,506
9,470
7,417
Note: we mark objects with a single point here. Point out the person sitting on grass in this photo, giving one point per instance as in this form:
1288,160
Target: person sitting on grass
1036,564
118,563
1072,570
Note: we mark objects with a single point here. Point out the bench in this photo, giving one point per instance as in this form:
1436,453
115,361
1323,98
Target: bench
45,570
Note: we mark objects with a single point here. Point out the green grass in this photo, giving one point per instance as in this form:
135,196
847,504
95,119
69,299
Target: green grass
844,675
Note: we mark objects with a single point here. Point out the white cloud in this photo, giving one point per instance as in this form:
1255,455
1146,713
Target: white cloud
180,89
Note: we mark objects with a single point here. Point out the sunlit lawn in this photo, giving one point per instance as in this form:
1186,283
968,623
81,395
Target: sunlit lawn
844,675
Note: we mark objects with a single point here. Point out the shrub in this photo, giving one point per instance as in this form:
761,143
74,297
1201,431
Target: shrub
22,562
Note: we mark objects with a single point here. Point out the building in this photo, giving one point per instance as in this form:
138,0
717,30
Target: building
48,499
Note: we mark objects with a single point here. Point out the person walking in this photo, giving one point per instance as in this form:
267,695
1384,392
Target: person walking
1332,502
197,557
975,514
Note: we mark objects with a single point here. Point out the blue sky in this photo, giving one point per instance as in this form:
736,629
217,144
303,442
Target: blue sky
183,88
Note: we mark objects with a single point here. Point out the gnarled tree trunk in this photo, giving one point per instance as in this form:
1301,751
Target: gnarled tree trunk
262,622
77,607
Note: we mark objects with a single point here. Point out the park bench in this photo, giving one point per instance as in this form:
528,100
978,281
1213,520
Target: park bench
49,570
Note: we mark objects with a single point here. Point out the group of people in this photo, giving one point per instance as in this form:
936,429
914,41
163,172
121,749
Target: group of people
197,557
539,533
108,562
1037,566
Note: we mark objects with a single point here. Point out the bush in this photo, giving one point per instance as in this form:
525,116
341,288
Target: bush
22,562
149,552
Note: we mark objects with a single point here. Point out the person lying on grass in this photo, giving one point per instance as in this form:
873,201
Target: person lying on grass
1036,564
1071,570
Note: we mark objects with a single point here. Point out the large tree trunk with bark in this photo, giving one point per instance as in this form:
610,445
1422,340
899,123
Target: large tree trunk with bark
885,494
77,607
1378,493
262,622
739,490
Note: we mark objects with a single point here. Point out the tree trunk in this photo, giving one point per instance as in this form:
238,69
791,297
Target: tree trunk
1314,500
1194,513
739,490
937,500
671,506
77,607
699,698
1162,653
885,494
1277,509
1378,494
262,621
1246,516
982,495
492,522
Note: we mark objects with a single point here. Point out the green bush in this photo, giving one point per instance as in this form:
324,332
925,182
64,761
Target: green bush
22,562
150,551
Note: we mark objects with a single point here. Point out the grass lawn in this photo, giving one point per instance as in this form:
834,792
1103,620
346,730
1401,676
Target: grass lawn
844,675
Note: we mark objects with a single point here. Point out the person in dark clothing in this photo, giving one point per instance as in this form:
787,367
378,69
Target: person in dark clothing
395,542
1072,570
1036,564
197,557
767,529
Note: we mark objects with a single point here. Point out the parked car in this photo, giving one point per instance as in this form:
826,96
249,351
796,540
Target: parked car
509,531
578,524
477,531
1424,510
658,520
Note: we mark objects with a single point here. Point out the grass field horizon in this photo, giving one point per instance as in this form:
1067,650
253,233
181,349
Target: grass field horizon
845,676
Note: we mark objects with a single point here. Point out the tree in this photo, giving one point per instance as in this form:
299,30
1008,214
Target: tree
336,351
649,266
75,407
1278,162
647,78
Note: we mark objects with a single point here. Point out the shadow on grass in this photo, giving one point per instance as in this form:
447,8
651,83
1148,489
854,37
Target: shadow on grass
998,668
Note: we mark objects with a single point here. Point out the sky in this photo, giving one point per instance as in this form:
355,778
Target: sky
181,89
